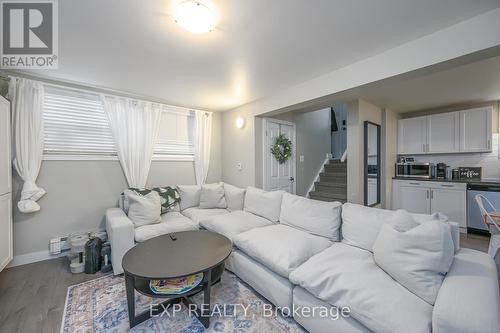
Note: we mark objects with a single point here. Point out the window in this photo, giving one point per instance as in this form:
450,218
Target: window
76,127
176,135
75,124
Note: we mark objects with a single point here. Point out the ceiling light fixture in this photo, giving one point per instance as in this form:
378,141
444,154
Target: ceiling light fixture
240,122
194,16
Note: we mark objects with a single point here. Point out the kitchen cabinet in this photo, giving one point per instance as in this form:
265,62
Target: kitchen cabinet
466,131
414,199
412,135
475,130
429,197
443,133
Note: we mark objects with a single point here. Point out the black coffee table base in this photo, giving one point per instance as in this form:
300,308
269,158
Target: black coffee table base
142,286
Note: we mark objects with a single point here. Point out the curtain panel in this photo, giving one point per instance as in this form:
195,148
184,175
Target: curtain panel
27,127
202,144
135,125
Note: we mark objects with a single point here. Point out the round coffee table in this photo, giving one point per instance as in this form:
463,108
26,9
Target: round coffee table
172,256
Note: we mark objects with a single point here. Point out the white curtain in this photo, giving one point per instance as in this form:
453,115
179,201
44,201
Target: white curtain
27,127
202,142
135,125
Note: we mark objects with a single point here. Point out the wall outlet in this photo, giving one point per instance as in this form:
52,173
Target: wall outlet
239,166
301,158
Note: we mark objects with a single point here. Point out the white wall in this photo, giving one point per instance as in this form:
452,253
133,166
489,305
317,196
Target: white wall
78,193
313,142
389,135
473,35
357,113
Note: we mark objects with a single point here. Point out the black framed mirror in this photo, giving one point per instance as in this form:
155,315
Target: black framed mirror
372,164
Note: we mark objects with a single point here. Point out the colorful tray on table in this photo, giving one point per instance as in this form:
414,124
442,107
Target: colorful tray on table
175,286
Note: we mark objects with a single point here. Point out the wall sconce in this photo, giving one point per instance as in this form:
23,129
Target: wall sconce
240,122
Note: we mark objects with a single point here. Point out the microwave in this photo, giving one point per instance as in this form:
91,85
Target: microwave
415,170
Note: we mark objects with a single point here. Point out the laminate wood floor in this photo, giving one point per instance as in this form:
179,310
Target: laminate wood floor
32,296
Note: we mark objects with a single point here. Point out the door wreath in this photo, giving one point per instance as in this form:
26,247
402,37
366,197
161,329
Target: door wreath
282,149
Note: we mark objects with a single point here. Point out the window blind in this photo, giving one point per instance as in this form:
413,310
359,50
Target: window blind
176,135
76,124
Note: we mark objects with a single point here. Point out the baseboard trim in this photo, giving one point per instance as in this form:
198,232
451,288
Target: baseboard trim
28,258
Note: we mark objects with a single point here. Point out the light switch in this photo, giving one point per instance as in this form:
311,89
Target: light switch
301,158
239,166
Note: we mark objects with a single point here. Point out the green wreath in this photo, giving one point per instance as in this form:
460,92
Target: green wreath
282,149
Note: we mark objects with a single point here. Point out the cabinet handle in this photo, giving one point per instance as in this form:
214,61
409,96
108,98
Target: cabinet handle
489,144
427,194
432,194
414,183
443,185
428,149
423,147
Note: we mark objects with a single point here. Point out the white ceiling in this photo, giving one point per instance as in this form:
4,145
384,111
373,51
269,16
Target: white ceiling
475,82
258,48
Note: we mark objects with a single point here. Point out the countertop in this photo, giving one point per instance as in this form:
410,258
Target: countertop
475,182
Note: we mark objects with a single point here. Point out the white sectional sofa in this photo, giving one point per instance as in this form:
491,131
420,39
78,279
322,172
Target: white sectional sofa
301,253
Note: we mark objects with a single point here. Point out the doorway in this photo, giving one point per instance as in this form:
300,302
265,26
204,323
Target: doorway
339,130
278,176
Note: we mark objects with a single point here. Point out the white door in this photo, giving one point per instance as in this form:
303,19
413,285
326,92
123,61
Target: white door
412,135
278,176
443,132
475,130
451,203
5,230
5,159
413,199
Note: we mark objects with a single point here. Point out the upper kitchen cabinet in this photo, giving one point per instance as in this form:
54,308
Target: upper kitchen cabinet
475,130
443,133
467,131
412,135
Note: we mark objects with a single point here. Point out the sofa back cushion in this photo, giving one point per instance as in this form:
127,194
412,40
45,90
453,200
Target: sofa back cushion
212,196
417,257
190,195
263,203
235,197
315,217
143,209
361,224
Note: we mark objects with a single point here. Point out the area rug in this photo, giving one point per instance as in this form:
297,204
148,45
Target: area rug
100,305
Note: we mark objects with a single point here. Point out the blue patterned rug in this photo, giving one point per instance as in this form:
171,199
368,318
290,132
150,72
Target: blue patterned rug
100,305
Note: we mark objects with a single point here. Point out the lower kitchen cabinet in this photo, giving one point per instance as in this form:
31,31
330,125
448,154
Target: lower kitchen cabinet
429,197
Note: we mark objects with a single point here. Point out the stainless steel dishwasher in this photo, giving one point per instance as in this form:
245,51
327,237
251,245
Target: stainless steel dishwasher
475,221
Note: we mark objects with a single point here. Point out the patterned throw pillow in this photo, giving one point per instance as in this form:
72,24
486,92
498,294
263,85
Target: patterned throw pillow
169,196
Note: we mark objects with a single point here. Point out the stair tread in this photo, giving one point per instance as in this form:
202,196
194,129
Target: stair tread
330,184
330,195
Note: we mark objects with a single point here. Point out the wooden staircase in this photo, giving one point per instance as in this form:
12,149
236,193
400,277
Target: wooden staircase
332,184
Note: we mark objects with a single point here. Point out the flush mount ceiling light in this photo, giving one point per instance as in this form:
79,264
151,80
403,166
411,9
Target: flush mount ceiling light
194,16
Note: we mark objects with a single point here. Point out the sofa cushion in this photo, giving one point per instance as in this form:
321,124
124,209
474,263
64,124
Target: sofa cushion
170,222
279,247
315,217
143,209
347,276
234,223
263,203
190,196
197,214
418,258
361,224
212,196
235,197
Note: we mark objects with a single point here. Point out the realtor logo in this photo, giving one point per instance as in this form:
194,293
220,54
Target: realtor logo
29,34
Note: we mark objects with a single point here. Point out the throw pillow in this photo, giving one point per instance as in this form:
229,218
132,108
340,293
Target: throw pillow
417,258
235,197
143,209
212,196
263,203
170,198
190,196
